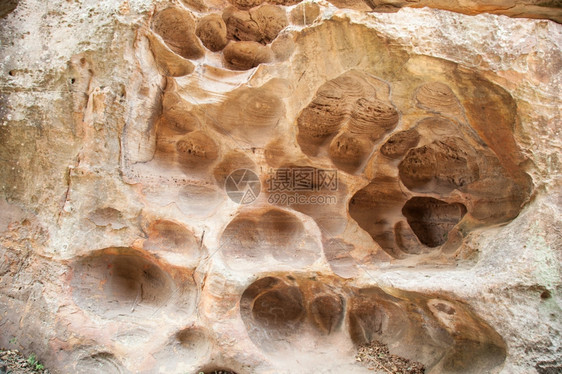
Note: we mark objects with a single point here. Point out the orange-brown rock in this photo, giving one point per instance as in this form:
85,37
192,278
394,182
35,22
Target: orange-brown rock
400,142
305,13
246,4
177,28
196,149
271,19
246,55
212,31
438,97
440,166
513,8
261,24
349,152
372,118
169,63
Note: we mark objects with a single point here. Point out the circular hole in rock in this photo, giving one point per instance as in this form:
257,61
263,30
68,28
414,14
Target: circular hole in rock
271,308
188,347
232,161
349,152
102,362
432,219
367,318
170,236
120,282
253,113
173,242
191,338
211,29
278,308
215,371
281,228
7,7
327,312
254,237
246,55
196,150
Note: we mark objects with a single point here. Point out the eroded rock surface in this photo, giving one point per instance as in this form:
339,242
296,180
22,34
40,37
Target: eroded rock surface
266,186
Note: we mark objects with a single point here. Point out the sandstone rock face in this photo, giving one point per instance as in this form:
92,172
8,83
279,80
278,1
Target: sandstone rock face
264,186
513,8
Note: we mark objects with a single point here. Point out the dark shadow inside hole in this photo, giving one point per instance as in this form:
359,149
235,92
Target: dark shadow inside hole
546,294
432,219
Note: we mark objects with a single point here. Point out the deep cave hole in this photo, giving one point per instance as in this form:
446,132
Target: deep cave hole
432,219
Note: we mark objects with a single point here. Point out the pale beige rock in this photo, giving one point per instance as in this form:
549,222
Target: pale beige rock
422,149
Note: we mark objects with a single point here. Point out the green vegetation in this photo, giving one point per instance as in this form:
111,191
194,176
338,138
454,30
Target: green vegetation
32,360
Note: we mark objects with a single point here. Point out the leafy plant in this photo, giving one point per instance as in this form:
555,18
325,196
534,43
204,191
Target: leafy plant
32,360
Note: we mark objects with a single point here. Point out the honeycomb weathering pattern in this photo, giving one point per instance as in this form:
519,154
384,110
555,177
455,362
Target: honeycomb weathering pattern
281,309
242,34
415,175
207,283
346,111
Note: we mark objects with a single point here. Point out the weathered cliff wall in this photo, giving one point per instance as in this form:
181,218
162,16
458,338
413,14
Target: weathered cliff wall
265,186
